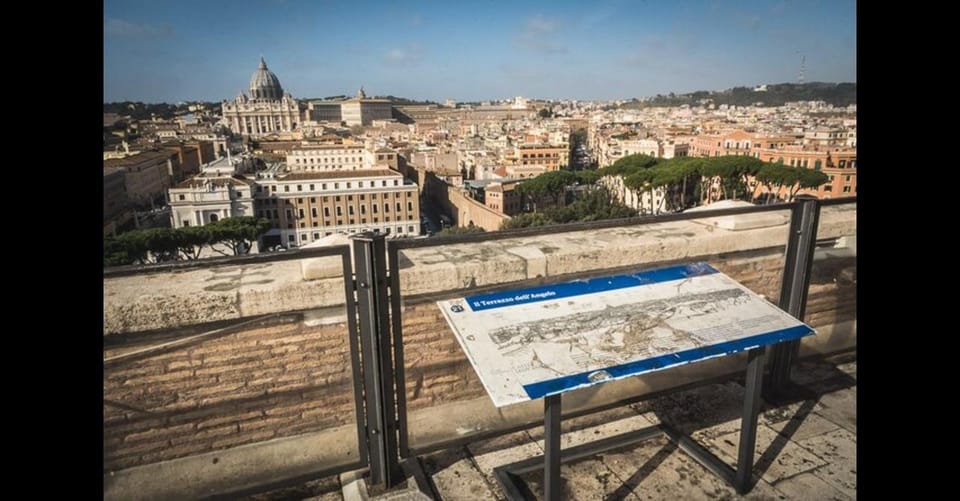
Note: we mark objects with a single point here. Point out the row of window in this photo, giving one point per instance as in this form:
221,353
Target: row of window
337,198
328,160
336,185
274,214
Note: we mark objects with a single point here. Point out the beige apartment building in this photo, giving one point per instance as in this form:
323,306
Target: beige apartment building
339,157
305,206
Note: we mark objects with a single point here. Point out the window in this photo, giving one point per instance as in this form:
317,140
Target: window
291,238
363,196
408,194
386,208
399,207
273,188
360,184
828,188
323,186
843,163
373,196
409,229
847,178
182,197
348,184
289,214
816,165
259,189
374,208
410,206
313,200
186,223
351,221
299,187
311,189
846,189
286,187
339,211
336,186
299,200
336,198
275,214
313,211
350,210
350,198
316,236
339,222
326,212
300,212
214,218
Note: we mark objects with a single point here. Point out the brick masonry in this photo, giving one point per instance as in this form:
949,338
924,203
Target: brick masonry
244,387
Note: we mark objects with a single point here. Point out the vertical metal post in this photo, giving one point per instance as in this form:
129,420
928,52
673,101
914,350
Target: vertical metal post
378,371
801,242
396,319
551,453
748,424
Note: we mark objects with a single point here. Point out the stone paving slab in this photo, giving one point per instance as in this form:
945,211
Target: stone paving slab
841,408
839,450
454,475
775,457
587,479
802,427
658,469
809,486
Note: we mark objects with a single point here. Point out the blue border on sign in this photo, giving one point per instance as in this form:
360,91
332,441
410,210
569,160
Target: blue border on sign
579,287
559,385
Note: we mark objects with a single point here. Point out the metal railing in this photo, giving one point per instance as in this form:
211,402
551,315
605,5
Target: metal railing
374,302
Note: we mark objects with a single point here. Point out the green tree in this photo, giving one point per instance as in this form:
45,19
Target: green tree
191,240
237,233
552,184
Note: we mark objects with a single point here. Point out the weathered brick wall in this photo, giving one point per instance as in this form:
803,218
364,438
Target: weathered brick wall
253,385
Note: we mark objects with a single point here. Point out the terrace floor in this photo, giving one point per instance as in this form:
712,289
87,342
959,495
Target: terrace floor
806,449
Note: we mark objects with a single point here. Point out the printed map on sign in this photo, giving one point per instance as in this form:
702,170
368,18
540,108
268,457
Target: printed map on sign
529,343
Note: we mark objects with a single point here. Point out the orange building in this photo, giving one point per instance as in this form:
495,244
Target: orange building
839,163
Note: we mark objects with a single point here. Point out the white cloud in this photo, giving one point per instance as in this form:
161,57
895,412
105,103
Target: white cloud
538,35
403,56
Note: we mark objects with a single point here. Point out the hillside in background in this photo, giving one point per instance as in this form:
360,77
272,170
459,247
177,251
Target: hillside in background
837,94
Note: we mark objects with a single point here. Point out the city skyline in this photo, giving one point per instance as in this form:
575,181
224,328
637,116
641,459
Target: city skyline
179,51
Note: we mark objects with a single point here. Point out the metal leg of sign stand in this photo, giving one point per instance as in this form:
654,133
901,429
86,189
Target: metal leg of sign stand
551,439
748,425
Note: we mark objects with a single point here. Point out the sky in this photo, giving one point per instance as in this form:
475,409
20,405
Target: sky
206,50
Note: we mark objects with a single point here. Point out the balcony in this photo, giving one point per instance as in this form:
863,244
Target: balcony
237,376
